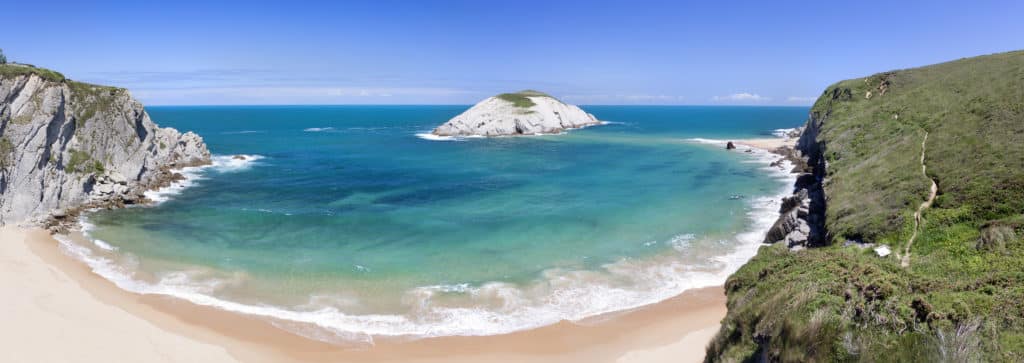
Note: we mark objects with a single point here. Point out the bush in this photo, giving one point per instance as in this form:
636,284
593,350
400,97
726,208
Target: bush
82,162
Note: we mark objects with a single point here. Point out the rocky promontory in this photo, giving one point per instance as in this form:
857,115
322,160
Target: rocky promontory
861,265
66,145
521,113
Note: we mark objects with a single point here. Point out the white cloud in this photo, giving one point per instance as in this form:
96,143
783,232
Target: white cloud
799,99
742,97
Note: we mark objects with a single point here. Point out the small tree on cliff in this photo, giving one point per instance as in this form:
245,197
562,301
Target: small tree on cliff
3,58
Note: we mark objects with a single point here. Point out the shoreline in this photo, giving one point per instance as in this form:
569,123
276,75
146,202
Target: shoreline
766,144
431,136
680,326
666,331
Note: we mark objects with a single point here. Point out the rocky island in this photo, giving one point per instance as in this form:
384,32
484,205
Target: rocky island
67,145
522,113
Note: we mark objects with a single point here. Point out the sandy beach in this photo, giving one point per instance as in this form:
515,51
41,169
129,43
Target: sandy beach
768,144
51,317
53,298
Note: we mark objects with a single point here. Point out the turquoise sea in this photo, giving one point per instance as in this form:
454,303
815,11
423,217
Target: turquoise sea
344,225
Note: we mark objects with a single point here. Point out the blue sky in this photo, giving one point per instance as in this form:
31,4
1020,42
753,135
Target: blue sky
458,52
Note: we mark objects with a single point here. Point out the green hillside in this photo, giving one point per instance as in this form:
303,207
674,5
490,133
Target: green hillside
958,296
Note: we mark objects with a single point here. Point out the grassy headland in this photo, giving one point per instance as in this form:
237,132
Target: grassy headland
962,297
97,99
16,69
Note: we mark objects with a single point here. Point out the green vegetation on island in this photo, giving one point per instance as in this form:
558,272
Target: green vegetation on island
959,296
521,99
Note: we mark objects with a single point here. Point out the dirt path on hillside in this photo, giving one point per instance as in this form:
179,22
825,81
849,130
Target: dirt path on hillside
905,261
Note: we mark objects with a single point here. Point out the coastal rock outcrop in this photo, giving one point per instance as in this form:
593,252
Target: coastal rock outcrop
791,227
66,145
801,221
520,113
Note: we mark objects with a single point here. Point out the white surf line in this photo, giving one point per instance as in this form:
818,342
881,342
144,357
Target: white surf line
905,261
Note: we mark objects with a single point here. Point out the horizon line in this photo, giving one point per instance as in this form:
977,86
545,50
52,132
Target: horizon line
449,104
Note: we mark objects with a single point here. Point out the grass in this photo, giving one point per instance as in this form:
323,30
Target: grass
521,99
82,162
90,100
962,298
973,110
6,152
13,70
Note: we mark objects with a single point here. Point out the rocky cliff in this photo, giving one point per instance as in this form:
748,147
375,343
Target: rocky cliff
801,221
521,113
65,145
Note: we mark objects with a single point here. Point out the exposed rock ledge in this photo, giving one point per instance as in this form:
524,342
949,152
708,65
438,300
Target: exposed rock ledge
65,146
801,221
521,113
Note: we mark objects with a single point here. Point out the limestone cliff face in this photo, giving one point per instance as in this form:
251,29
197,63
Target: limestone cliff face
64,145
522,113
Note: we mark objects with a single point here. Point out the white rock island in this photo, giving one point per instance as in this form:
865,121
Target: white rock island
521,113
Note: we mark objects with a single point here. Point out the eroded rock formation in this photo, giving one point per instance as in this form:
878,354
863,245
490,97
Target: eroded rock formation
65,145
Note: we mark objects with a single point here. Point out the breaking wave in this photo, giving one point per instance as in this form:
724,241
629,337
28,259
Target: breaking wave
193,174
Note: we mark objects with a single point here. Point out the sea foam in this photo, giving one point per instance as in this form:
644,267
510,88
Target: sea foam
193,174
783,133
432,137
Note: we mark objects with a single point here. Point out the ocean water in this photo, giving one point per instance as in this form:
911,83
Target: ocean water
342,224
